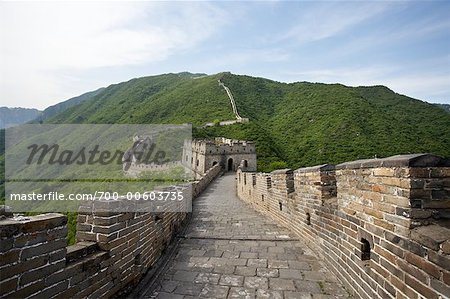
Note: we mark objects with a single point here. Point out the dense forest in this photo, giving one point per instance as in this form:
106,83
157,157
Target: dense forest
294,125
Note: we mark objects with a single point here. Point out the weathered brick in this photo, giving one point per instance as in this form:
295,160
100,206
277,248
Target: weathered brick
43,248
446,277
109,229
84,236
81,218
52,290
413,271
419,287
57,277
7,286
6,244
436,204
84,227
9,257
384,224
40,273
396,200
40,237
438,259
402,287
423,264
406,244
394,270
384,207
390,288
402,221
12,270
387,172
392,248
373,212
42,222
106,221
420,172
105,238
440,287
431,236
28,290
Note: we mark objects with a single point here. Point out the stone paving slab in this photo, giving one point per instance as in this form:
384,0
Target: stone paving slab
232,251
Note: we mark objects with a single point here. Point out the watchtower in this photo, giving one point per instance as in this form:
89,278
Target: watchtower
201,155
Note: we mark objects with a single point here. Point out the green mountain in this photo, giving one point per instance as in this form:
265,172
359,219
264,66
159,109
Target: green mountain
297,124
294,125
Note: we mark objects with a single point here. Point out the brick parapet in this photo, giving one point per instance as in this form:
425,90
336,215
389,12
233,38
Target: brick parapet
114,249
398,205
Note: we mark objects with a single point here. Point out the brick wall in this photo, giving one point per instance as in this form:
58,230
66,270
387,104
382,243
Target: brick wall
113,250
382,226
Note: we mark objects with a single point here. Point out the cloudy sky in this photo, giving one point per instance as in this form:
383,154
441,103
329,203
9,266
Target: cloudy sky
51,51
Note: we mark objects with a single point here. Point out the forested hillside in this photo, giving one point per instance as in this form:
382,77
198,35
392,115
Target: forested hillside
294,125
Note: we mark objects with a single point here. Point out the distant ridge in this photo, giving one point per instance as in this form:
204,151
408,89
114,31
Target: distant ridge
293,124
15,116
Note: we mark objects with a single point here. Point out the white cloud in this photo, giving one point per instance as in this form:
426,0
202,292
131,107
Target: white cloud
42,39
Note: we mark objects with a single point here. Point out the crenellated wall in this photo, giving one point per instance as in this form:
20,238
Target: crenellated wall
382,226
113,250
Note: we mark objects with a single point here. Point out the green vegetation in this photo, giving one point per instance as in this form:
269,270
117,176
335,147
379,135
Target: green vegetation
300,124
294,125
158,99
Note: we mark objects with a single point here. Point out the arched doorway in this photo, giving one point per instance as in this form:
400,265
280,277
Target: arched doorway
245,163
230,164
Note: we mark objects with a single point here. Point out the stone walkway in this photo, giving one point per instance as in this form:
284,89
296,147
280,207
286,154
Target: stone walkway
232,251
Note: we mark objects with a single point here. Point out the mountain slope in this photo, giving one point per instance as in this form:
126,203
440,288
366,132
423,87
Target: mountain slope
157,99
15,116
300,123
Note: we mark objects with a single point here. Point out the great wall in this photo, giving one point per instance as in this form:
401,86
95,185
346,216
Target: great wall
379,227
238,119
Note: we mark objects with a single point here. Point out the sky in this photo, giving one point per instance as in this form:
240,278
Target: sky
52,51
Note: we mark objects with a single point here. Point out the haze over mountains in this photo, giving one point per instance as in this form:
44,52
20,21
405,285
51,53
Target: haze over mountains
14,116
296,124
